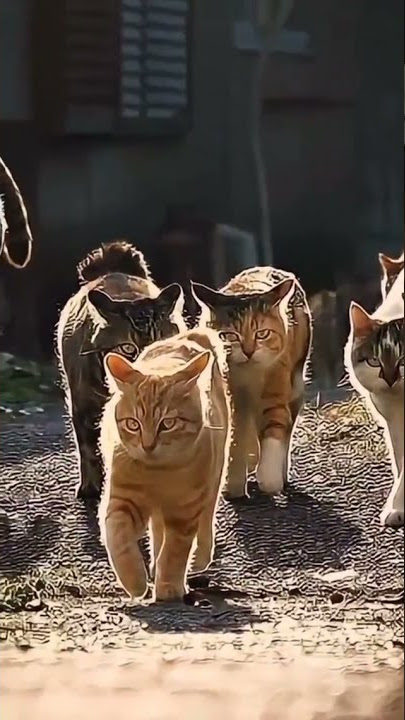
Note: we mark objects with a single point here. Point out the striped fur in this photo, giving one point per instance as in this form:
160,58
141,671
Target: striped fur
263,316
111,312
165,440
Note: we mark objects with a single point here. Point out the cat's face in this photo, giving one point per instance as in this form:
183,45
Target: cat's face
252,326
391,267
159,417
131,325
377,352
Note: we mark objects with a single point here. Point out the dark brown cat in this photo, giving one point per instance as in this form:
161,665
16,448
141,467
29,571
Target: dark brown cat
120,309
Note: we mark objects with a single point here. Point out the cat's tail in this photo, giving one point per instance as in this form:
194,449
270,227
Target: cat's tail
16,245
118,256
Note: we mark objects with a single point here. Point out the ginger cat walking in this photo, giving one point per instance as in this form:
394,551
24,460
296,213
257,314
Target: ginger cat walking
269,343
165,438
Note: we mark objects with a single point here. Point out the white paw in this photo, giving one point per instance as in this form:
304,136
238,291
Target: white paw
271,472
393,519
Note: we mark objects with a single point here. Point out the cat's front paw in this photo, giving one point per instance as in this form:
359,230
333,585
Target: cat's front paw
202,560
91,482
236,483
269,480
393,519
168,592
271,471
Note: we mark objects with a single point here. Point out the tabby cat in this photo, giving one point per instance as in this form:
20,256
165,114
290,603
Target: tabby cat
118,308
165,439
15,232
391,268
263,316
374,358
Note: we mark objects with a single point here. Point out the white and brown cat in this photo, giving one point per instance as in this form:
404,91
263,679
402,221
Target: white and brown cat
263,317
374,357
391,267
165,439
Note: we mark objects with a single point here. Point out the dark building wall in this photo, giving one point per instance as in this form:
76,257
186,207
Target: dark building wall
379,130
92,190
332,139
332,146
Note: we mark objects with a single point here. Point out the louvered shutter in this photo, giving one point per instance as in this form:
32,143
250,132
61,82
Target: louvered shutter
113,66
155,72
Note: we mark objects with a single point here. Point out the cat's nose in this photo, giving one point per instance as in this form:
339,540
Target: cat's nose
149,444
248,352
391,378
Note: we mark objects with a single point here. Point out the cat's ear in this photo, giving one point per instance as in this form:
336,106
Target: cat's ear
189,374
121,369
280,291
390,265
361,322
103,303
169,297
208,296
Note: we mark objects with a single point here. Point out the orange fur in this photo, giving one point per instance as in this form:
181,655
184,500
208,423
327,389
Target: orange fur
263,315
165,440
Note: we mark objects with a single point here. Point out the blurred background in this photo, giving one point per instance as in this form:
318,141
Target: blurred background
143,119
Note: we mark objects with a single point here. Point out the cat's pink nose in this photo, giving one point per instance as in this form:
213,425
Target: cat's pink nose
149,444
248,352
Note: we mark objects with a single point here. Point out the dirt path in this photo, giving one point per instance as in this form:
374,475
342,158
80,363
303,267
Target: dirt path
44,686
301,586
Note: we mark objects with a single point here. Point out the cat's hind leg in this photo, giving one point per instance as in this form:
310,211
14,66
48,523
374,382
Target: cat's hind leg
86,428
297,395
157,532
205,538
393,513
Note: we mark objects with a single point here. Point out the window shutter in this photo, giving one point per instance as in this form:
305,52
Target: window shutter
112,66
155,72
76,77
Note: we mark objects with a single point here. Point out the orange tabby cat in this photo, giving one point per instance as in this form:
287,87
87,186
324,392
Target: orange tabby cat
263,315
165,439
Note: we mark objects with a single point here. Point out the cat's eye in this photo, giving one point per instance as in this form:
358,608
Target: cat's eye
128,349
373,362
263,334
167,424
228,336
401,362
131,425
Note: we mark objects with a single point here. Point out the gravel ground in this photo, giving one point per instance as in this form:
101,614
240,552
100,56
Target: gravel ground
309,577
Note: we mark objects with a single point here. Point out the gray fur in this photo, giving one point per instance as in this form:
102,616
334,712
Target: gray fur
116,312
